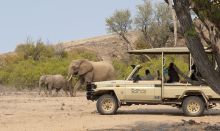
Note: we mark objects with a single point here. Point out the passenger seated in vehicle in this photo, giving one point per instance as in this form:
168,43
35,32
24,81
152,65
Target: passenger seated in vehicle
158,75
195,74
165,74
148,75
136,78
172,73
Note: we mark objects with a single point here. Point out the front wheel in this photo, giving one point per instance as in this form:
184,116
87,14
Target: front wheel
193,106
107,105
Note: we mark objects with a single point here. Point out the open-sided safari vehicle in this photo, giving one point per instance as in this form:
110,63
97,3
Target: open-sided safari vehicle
192,98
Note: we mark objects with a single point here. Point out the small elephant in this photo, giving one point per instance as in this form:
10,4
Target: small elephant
89,71
50,82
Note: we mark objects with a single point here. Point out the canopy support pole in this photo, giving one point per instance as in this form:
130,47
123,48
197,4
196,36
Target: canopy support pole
162,79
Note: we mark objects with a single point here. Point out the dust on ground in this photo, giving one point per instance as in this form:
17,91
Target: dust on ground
28,111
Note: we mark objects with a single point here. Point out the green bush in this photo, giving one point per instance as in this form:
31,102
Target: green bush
156,64
123,69
35,50
25,73
79,53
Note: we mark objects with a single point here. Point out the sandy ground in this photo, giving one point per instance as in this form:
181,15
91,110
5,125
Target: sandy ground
27,111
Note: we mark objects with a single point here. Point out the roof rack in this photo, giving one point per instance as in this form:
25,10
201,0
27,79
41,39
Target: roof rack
166,50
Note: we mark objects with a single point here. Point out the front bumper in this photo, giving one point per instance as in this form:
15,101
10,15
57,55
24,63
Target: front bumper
90,91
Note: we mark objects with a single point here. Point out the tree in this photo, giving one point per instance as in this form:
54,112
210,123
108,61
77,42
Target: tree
38,49
208,12
143,20
162,26
26,49
60,51
35,50
154,23
120,23
175,25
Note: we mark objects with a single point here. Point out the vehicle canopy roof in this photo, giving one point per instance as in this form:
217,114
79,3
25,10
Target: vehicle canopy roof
166,50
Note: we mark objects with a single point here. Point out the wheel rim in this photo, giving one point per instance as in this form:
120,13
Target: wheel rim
107,104
193,107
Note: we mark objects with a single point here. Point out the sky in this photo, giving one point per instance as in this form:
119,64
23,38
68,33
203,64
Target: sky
56,21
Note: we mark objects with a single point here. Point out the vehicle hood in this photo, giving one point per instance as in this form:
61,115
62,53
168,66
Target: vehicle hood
109,83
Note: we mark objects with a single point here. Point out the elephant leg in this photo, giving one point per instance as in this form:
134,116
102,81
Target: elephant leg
65,90
57,90
40,88
69,86
66,93
50,90
45,90
78,84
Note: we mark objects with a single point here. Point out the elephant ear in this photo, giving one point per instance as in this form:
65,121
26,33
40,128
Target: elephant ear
85,67
43,78
70,69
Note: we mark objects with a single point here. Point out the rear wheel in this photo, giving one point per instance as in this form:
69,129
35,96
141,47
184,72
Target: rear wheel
193,106
107,105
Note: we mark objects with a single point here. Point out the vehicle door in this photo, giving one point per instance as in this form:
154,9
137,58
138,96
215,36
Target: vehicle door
143,90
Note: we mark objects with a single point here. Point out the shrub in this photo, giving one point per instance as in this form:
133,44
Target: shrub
122,70
60,51
25,73
140,43
35,50
155,64
82,53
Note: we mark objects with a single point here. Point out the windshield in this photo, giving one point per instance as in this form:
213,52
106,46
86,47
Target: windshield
134,72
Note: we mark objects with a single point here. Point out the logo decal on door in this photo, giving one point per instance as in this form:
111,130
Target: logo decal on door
141,91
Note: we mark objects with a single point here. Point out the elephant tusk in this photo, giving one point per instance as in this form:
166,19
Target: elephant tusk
70,78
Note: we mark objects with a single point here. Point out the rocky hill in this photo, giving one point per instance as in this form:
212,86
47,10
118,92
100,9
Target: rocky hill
109,46
106,47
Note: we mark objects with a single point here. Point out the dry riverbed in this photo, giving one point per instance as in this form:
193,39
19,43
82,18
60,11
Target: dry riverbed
28,111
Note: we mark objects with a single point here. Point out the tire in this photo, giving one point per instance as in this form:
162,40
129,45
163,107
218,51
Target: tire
107,105
193,106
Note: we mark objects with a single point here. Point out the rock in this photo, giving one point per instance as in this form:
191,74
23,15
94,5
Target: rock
190,122
212,128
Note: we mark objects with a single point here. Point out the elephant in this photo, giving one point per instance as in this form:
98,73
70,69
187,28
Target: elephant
89,71
50,82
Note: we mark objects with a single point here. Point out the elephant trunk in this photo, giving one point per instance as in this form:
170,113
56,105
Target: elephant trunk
41,86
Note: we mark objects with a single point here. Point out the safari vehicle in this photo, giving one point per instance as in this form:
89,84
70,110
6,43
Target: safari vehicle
192,99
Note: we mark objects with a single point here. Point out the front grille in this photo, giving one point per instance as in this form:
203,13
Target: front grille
90,91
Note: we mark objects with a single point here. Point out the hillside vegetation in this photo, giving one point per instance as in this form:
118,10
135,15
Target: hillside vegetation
30,60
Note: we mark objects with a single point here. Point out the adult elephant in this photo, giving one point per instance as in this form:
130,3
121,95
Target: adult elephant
89,71
50,82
